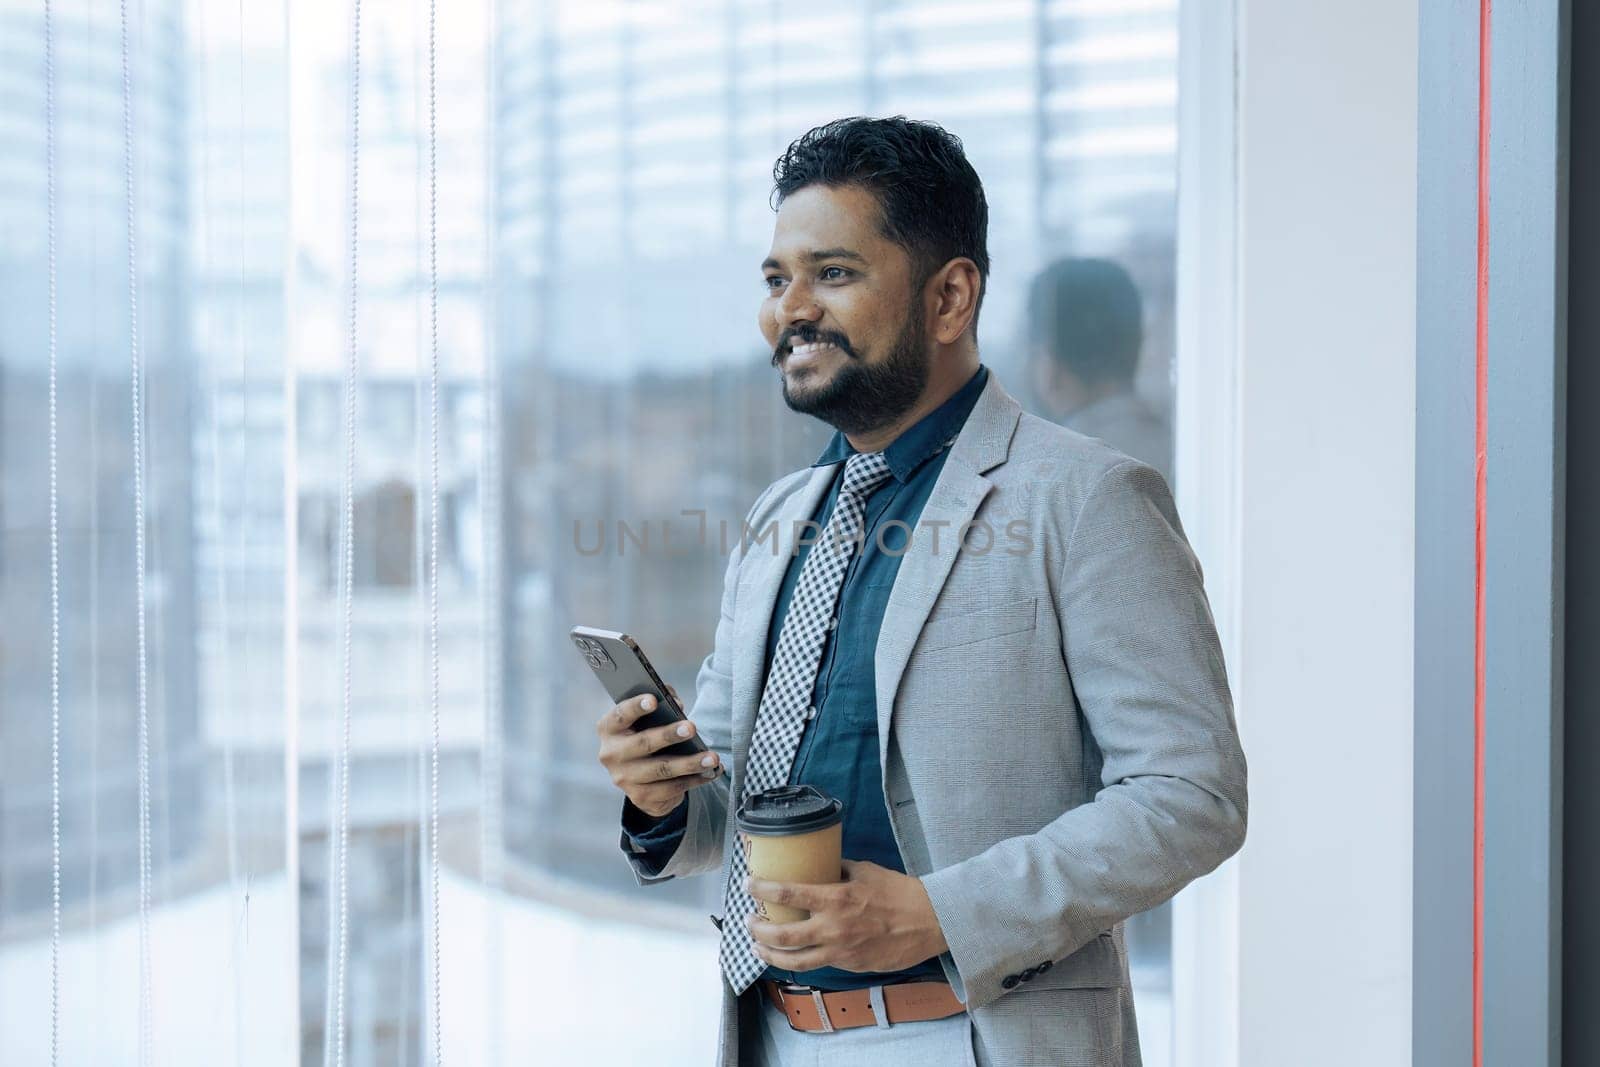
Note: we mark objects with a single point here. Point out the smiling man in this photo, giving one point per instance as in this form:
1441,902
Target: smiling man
984,633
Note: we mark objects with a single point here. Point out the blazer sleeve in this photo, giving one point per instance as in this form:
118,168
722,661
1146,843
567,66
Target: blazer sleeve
1145,664
698,849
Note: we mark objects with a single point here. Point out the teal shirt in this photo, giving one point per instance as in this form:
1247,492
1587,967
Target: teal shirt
838,751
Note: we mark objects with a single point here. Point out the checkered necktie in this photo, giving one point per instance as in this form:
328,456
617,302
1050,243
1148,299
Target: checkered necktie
786,700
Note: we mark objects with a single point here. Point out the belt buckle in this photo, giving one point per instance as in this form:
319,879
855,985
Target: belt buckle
796,989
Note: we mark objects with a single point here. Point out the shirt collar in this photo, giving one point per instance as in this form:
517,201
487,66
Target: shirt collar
921,441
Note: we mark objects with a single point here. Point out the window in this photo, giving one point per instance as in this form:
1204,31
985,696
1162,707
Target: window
604,172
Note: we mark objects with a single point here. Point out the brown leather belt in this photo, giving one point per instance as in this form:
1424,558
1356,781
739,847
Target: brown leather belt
816,1011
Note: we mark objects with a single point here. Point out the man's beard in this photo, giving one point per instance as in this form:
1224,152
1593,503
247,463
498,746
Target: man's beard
863,396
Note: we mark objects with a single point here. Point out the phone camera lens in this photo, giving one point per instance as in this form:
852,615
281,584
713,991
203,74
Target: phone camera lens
594,652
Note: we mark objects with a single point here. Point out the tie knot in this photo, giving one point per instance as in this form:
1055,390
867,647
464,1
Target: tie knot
864,472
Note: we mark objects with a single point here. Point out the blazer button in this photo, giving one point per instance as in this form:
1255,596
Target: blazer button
1045,966
1009,981
1027,975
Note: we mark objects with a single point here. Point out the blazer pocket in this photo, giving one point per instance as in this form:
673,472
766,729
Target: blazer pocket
950,631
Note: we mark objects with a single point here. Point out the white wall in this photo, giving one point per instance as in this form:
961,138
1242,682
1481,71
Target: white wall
1326,128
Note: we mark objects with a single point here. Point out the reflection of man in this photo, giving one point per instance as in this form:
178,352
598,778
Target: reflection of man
1085,329
1031,729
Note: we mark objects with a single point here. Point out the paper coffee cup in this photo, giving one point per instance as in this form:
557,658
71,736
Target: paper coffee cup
791,833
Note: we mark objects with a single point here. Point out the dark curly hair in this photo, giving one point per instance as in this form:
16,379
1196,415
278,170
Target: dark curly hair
932,200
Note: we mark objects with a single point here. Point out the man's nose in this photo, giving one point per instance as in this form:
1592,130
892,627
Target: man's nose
797,305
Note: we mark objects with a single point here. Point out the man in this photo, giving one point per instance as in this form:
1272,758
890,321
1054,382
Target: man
1085,329
1030,728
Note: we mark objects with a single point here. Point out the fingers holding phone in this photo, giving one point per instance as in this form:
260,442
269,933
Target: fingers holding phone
654,780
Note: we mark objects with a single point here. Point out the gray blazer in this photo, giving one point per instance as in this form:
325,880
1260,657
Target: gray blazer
1056,734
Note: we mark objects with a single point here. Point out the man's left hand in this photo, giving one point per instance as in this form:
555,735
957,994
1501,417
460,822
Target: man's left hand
874,920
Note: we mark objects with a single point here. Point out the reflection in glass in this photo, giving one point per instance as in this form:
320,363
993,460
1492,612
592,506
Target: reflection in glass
1086,334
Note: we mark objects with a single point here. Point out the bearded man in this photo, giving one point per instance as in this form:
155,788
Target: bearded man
985,633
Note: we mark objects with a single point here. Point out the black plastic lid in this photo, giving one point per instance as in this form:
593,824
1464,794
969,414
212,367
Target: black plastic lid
788,809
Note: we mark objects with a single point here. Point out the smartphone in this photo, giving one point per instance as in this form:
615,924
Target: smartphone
621,665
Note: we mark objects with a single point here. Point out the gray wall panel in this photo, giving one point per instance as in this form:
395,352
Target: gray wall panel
1525,534
1524,531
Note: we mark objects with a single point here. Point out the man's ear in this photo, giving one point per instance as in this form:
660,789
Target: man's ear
955,288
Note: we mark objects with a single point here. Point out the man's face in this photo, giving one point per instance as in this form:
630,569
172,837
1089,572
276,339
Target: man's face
843,313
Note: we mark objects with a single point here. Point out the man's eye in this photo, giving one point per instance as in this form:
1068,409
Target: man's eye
773,282
834,274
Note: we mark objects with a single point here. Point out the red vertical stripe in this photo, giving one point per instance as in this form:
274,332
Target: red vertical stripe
1480,494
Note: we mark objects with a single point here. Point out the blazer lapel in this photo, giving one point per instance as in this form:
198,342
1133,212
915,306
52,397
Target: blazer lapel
761,577
982,445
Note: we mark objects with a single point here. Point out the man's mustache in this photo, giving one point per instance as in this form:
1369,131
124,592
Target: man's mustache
810,335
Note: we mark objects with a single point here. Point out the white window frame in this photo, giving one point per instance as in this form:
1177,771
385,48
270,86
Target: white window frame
1205,919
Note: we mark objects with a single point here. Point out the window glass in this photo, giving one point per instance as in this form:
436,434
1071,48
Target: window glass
605,403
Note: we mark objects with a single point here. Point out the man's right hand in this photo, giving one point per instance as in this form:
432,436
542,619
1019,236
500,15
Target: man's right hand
655,783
